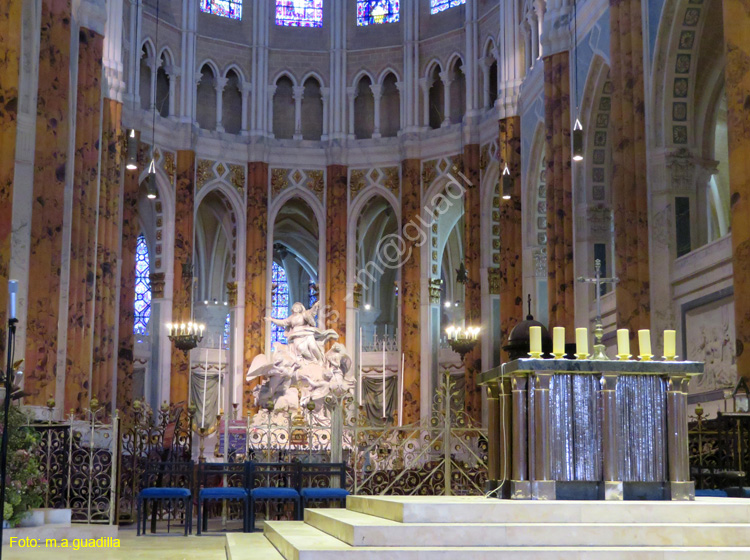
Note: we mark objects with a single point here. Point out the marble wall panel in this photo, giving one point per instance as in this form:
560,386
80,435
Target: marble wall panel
336,221
511,231
51,159
183,282
255,273
629,165
10,52
84,222
111,171
473,287
411,201
560,273
737,79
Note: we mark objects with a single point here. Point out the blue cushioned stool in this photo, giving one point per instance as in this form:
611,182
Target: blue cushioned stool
233,477
272,482
164,481
322,482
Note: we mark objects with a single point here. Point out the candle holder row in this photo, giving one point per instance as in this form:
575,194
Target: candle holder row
582,344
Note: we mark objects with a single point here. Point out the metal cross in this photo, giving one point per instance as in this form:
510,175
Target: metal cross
598,281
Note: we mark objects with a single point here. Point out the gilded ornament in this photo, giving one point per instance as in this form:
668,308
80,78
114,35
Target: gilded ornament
220,169
237,177
391,181
169,166
357,181
316,183
493,280
279,180
157,284
435,284
428,172
204,172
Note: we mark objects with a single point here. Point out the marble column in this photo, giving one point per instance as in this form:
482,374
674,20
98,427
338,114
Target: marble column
111,172
336,220
473,285
560,274
108,255
511,231
10,52
182,292
629,166
411,336
81,306
50,161
737,79
255,273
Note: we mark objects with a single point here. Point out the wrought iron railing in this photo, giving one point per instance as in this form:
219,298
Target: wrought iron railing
78,458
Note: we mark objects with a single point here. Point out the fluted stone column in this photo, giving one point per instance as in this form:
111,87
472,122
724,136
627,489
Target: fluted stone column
446,77
351,94
629,180
298,92
737,79
255,272
377,91
130,231
247,89
10,53
560,241
50,162
411,342
511,231
182,292
473,286
83,252
336,222
220,83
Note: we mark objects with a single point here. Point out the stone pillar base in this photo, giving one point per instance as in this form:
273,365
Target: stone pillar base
682,491
612,490
543,490
520,490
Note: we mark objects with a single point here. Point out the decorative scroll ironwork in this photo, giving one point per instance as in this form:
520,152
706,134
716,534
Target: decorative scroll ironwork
719,449
147,438
78,459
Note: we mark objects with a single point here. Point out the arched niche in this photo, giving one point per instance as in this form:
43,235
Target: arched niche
231,103
205,99
458,91
364,109
390,107
376,225
436,98
162,87
283,108
144,69
312,110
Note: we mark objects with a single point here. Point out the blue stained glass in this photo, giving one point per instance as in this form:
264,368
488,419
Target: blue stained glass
142,304
225,338
370,12
312,294
279,302
437,6
299,13
224,8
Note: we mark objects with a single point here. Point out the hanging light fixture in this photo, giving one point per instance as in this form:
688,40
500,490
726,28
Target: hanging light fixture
507,184
132,151
151,192
578,141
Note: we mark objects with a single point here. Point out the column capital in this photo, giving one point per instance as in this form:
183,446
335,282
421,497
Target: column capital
425,84
246,88
325,92
446,76
271,90
376,90
556,34
220,84
351,92
298,92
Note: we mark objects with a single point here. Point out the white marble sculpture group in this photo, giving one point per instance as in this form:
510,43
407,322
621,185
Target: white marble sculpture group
302,371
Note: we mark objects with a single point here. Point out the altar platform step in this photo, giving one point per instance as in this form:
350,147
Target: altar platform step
443,528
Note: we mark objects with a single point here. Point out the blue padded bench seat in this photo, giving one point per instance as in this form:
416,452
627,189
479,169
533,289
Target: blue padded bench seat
165,493
711,493
222,493
274,492
324,493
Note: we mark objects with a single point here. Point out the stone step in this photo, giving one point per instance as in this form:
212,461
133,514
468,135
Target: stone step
359,529
296,540
250,546
464,509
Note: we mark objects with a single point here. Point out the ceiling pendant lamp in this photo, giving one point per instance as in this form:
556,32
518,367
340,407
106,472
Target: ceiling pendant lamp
151,192
132,162
507,184
578,141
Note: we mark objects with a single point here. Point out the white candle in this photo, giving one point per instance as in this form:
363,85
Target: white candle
670,345
205,382
220,401
644,342
359,393
582,341
401,394
383,378
623,342
558,340
535,339
13,291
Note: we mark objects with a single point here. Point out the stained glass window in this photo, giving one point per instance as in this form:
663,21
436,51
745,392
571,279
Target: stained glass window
225,8
225,338
299,13
371,12
279,301
142,307
312,294
437,6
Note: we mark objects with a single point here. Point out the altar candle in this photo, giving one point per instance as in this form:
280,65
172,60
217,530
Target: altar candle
384,378
401,394
644,342
669,344
535,339
218,404
205,382
623,342
582,341
359,393
558,340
